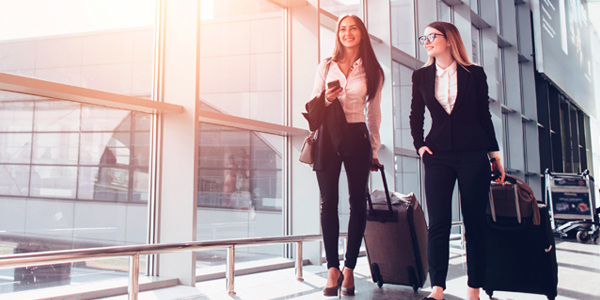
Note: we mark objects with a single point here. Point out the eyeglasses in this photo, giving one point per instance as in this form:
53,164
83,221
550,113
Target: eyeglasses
430,38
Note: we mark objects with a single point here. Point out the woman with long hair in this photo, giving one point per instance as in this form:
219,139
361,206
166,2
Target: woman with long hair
351,79
461,145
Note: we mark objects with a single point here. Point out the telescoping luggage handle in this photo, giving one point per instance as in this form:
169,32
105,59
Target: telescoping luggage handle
393,216
512,180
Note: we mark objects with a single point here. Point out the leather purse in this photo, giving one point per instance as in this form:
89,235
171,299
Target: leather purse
513,198
308,148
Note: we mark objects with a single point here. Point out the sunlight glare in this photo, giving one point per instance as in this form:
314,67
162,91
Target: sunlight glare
206,10
20,19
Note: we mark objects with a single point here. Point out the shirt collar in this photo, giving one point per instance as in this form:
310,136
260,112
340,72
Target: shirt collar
450,69
358,62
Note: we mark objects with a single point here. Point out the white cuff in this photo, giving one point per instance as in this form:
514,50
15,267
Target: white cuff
493,154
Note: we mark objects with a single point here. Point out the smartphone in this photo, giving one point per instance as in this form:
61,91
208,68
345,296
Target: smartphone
333,84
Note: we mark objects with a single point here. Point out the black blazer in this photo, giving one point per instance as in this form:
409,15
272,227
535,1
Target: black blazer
333,136
468,128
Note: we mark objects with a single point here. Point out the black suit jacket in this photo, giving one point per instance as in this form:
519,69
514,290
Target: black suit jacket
468,128
333,136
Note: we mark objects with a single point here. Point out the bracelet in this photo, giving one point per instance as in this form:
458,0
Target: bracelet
493,159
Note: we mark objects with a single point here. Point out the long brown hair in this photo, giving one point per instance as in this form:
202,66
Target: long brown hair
373,70
457,48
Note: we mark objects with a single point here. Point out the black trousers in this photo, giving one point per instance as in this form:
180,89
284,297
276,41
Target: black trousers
473,171
357,166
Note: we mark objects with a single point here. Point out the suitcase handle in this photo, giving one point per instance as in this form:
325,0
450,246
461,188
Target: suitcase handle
508,178
514,181
387,195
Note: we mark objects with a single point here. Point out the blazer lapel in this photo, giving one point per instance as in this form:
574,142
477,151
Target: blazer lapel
430,74
462,78
430,82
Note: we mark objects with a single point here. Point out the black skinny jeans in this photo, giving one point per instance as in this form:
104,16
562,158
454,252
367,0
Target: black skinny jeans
357,166
473,171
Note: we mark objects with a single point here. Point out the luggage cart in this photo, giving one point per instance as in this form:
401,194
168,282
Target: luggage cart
572,205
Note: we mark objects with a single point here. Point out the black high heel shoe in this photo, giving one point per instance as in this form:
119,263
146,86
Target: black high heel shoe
335,290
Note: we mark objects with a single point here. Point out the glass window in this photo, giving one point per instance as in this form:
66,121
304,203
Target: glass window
71,176
565,133
506,140
327,42
498,17
402,95
475,42
475,6
403,25
408,175
341,7
83,43
239,189
444,11
241,58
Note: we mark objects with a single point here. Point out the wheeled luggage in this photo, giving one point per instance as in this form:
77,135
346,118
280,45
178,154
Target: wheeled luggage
521,255
396,241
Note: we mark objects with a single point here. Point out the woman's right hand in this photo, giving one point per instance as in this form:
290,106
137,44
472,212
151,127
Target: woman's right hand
332,93
423,149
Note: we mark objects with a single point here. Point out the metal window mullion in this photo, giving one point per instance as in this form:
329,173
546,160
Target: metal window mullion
287,141
156,132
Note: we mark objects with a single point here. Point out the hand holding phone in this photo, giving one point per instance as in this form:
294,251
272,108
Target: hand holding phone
333,90
333,84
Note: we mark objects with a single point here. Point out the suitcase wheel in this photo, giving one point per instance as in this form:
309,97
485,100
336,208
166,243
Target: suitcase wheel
412,277
376,275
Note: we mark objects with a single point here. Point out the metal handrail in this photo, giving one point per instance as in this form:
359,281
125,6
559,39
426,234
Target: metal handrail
134,252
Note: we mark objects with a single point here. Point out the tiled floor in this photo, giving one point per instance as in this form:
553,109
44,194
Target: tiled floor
579,279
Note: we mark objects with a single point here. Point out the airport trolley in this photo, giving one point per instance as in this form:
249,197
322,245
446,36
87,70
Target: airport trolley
571,199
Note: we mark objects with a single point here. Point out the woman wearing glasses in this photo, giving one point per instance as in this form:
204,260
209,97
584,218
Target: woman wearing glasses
460,146
347,86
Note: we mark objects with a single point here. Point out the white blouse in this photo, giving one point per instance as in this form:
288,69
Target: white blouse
446,87
353,97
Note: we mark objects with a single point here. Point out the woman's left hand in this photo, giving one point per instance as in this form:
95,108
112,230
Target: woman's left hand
376,165
498,169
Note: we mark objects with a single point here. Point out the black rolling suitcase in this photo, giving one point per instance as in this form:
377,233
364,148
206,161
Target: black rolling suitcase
396,241
521,255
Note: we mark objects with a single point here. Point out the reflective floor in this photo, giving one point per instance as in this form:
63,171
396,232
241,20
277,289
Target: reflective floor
579,279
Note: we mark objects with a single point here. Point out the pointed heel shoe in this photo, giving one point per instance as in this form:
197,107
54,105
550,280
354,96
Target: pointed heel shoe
334,290
348,291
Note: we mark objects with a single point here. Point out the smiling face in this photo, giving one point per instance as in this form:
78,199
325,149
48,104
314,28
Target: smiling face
439,46
349,34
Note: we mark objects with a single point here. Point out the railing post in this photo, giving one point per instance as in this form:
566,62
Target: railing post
230,272
134,273
299,274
